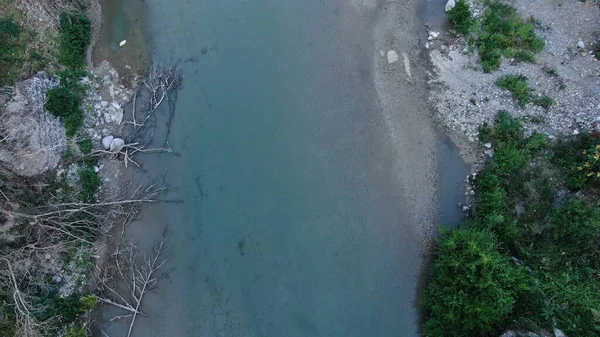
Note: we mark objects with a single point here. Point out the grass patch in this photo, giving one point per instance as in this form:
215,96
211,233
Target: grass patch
75,36
518,85
65,102
90,182
521,221
461,16
544,101
501,32
12,50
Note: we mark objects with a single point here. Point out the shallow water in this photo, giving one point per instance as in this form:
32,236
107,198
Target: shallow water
292,221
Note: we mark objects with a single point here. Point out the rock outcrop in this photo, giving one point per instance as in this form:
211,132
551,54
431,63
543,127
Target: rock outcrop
33,140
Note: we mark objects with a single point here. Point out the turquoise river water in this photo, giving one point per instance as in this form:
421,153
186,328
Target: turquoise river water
293,221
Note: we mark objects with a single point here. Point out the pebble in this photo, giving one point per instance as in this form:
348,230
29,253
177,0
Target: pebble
392,56
581,44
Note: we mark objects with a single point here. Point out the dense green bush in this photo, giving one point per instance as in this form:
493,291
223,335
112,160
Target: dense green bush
504,32
75,36
555,235
472,287
461,17
65,102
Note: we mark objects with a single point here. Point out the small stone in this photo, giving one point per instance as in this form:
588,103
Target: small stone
489,153
56,279
392,56
115,105
434,34
559,333
430,38
465,208
580,44
450,5
47,256
122,43
106,141
488,145
104,103
575,132
96,169
427,45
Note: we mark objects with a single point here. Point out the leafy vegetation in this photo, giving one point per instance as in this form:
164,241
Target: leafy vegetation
518,85
460,307
528,223
75,36
461,17
12,50
90,182
501,32
65,102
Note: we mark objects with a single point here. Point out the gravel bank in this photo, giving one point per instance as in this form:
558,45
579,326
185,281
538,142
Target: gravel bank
465,97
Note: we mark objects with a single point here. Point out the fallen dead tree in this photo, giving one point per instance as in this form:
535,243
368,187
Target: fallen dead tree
129,277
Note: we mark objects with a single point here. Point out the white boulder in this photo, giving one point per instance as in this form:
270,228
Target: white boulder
122,43
106,141
116,145
449,5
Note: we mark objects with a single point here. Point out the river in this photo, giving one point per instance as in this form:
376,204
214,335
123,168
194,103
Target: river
310,171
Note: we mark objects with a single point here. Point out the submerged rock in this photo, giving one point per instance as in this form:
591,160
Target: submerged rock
392,56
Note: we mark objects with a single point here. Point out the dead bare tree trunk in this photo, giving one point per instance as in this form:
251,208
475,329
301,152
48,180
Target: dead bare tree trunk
132,278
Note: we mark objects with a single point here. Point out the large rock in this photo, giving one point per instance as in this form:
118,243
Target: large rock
106,141
116,145
34,139
449,5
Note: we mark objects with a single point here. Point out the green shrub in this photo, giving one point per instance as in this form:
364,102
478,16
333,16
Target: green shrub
579,157
471,287
504,32
75,331
572,299
518,85
576,226
65,103
544,101
90,182
75,36
12,51
461,17
85,145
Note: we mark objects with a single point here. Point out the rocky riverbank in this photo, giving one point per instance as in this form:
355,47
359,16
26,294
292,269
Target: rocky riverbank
64,177
567,71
